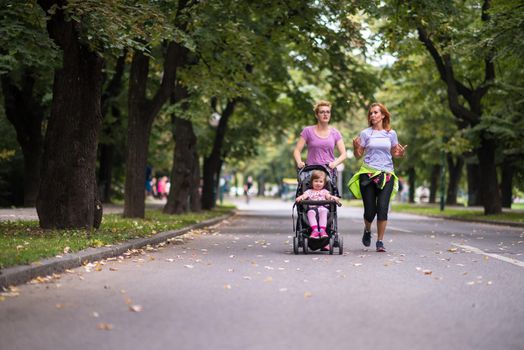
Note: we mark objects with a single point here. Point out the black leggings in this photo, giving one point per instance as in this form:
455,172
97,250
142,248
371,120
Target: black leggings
376,201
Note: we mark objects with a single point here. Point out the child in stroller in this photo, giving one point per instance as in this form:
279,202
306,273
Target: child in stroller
316,201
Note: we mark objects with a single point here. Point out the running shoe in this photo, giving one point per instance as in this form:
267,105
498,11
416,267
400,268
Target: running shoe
380,247
366,238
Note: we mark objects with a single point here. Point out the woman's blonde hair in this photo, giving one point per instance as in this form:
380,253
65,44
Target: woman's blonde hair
386,122
319,104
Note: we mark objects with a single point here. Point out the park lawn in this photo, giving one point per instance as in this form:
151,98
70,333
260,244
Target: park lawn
458,213
452,212
23,242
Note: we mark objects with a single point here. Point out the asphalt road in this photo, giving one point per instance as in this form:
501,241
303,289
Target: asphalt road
441,285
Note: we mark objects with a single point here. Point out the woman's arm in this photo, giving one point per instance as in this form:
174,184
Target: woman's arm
343,155
297,152
398,151
358,150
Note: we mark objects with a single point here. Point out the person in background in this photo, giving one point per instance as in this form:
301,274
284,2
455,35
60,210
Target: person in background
247,187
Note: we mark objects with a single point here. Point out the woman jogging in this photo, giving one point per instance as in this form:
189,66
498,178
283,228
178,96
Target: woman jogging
376,182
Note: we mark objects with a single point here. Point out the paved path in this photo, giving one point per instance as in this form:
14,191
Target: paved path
442,285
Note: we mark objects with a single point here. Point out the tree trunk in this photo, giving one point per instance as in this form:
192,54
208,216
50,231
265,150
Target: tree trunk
142,112
107,149
138,130
68,191
506,184
195,198
473,172
455,173
212,162
183,161
433,184
411,181
105,171
488,178
26,114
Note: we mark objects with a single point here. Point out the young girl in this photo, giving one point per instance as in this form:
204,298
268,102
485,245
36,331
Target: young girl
318,193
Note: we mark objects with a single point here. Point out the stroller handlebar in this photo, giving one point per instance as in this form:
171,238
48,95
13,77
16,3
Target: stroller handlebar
308,202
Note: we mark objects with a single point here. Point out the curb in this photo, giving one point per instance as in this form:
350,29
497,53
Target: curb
21,274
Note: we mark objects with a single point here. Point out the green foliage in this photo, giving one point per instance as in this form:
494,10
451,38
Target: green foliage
23,37
114,25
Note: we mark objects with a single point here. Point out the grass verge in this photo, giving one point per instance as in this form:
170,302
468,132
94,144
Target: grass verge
452,212
458,213
24,242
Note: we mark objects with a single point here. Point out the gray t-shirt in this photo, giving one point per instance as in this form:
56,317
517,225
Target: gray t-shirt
377,145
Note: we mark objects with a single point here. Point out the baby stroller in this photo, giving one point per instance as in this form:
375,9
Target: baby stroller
301,227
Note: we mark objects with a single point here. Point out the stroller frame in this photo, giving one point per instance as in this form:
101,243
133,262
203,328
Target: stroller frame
301,226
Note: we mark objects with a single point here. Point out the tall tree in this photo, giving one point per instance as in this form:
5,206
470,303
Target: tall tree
143,110
440,27
27,59
84,31
72,131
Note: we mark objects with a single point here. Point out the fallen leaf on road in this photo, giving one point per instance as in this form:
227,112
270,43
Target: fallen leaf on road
113,269
95,314
268,279
357,264
307,295
227,286
105,326
135,308
452,250
427,272
59,306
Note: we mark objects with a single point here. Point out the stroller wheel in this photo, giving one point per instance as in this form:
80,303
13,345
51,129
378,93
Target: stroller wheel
340,245
305,246
331,245
295,245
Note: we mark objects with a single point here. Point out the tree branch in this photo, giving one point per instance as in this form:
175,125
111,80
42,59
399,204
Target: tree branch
489,76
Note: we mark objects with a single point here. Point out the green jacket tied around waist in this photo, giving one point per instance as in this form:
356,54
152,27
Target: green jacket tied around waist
354,182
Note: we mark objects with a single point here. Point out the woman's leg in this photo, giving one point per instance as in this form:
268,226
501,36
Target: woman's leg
369,198
384,196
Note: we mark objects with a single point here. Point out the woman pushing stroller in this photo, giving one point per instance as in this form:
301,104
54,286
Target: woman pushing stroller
321,141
